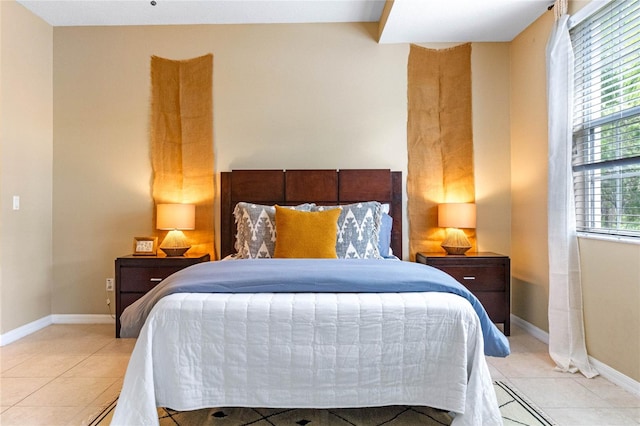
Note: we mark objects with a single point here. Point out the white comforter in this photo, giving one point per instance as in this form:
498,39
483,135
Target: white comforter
309,350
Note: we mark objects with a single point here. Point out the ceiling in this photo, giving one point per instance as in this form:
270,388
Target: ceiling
407,21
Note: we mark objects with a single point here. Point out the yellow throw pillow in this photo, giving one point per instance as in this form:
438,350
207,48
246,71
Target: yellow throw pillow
306,234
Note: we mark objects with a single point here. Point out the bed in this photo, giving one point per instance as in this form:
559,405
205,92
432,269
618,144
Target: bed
340,333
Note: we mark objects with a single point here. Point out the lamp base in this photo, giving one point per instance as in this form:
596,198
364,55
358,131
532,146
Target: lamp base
456,243
455,250
175,244
174,251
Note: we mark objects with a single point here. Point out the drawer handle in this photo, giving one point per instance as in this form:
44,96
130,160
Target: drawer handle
469,278
155,280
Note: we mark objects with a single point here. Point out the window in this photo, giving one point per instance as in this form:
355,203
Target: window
606,120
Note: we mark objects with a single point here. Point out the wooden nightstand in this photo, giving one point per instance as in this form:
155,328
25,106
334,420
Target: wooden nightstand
487,275
136,275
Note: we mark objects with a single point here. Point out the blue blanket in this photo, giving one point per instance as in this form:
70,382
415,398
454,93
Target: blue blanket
310,276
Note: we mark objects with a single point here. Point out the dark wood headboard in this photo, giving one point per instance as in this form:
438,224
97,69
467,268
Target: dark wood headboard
309,186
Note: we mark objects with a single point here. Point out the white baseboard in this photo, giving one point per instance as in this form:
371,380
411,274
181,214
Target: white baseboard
27,329
22,331
611,374
536,332
616,377
83,319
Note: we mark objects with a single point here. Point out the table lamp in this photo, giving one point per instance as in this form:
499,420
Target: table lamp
175,218
454,216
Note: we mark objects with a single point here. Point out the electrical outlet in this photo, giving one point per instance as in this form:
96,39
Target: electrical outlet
109,284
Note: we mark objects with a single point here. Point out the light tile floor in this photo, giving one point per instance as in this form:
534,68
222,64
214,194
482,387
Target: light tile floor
61,375
64,374
569,399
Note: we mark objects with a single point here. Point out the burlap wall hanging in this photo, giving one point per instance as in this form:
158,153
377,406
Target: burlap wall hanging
182,142
439,141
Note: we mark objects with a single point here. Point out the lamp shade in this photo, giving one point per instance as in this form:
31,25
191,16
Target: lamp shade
176,216
457,215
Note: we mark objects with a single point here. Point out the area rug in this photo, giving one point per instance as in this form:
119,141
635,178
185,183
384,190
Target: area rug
515,409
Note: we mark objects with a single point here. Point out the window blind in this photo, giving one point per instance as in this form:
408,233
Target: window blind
606,124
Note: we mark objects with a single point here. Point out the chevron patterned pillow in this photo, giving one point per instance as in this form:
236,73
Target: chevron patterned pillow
358,230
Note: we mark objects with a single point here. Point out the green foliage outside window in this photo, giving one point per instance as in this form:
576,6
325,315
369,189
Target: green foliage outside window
607,137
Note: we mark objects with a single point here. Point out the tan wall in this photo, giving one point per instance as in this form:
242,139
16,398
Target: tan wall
611,295
2,208
285,96
491,139
26,137
610,270
529,268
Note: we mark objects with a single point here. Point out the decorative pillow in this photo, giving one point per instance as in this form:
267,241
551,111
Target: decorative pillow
256,229
384,243
358,230
306,234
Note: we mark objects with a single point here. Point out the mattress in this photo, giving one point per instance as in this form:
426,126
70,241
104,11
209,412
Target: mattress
309,350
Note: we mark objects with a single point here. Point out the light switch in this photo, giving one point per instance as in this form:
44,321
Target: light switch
16,202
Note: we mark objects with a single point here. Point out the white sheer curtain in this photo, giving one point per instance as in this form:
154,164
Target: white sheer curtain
566,327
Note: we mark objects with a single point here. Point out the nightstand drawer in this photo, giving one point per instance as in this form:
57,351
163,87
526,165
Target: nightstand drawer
144,279
136,275
494,304
487,275
477,278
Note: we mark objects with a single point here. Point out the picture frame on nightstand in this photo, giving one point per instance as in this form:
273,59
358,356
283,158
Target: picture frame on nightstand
145,246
